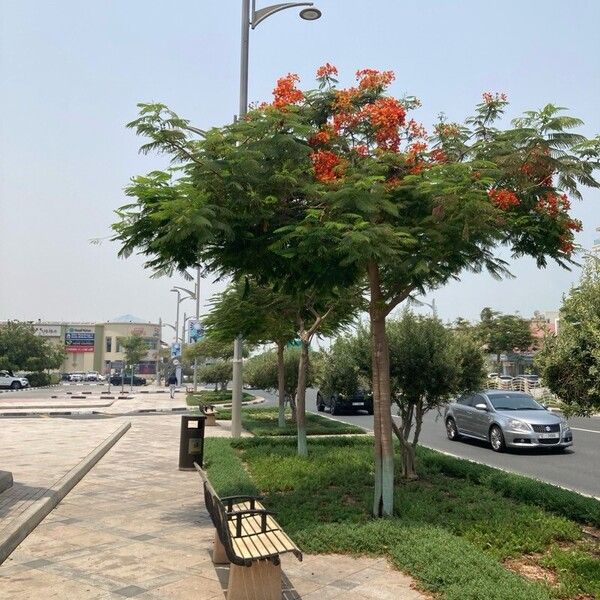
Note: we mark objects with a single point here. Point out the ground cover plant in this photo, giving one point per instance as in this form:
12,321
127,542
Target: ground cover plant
214,397
264,421
457,529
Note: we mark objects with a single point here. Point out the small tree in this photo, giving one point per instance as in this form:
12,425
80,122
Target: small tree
261,315
135,349
22,350
218,373
503,333
569,362
262,371
429,364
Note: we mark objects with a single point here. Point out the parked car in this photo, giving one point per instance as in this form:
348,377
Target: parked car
94,376
337,403
8,380
506,419
65,376
77,377
117,380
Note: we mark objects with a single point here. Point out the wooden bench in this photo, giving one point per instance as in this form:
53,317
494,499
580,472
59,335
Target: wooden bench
248,537
211,416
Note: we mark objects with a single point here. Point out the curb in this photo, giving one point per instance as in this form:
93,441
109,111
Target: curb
27,521
29,389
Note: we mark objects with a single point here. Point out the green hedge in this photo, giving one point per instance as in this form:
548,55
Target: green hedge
523,489
38,379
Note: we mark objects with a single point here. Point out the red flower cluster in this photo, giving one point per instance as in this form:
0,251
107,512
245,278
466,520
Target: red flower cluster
566,244
370,78
286,92
386,115
416,130
489,98
574,225
447,130
503,198
361,150
320,138
537,168
325,164
437,155
553,204
326,70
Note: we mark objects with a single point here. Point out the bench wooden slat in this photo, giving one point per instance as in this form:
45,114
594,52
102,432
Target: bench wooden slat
274,540
252,544
252,534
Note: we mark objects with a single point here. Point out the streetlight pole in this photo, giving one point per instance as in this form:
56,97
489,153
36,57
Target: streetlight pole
251,18
198,273
176,291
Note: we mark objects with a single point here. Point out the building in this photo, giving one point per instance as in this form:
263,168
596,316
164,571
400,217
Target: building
98,346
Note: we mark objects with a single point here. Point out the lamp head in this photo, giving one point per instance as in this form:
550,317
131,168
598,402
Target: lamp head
310,14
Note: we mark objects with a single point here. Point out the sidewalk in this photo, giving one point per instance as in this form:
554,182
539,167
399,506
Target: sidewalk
136,527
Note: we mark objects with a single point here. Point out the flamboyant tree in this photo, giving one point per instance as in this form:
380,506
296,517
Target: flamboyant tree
332,187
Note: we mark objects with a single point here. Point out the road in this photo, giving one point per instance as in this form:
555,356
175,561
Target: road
577,468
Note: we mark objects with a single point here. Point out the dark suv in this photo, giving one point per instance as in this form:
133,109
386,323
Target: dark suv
337,403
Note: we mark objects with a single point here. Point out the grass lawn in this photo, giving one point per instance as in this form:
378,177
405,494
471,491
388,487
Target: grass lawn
263,422
212,397
457,530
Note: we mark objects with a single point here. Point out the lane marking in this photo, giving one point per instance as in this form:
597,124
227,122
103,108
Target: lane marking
588,430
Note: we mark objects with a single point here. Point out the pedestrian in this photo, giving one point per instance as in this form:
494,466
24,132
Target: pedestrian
172,381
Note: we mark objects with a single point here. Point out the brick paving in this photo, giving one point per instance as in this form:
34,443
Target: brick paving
39,452
136,527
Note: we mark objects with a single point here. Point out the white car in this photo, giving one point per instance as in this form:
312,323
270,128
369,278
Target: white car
76,376
94,376
10,381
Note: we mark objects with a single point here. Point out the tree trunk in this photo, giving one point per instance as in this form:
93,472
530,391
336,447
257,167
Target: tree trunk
281,384
383,502
292,401
301,399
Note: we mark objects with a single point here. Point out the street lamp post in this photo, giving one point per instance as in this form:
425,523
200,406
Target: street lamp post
198,273
251,18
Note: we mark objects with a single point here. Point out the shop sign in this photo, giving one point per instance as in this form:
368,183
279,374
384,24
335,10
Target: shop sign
79,339
47,330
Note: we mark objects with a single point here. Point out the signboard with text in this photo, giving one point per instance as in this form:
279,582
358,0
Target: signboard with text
80,339
47,330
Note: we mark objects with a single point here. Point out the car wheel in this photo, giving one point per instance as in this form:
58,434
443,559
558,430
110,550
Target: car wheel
334,409
497,439
15,385
370,410
452,430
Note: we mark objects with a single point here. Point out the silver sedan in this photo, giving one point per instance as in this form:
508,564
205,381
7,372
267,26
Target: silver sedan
506,419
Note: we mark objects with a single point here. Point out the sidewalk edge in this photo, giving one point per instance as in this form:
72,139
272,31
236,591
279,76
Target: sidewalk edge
25,523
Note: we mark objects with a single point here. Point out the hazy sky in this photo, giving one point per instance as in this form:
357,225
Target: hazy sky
71,73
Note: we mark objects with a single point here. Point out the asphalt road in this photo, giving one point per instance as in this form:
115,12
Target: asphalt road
577,468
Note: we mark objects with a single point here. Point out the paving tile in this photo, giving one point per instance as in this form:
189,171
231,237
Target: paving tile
122,534
131,591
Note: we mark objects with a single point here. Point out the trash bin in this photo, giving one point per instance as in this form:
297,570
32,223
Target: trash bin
191,442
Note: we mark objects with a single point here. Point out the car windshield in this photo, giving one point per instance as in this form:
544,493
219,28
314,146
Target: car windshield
514,402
